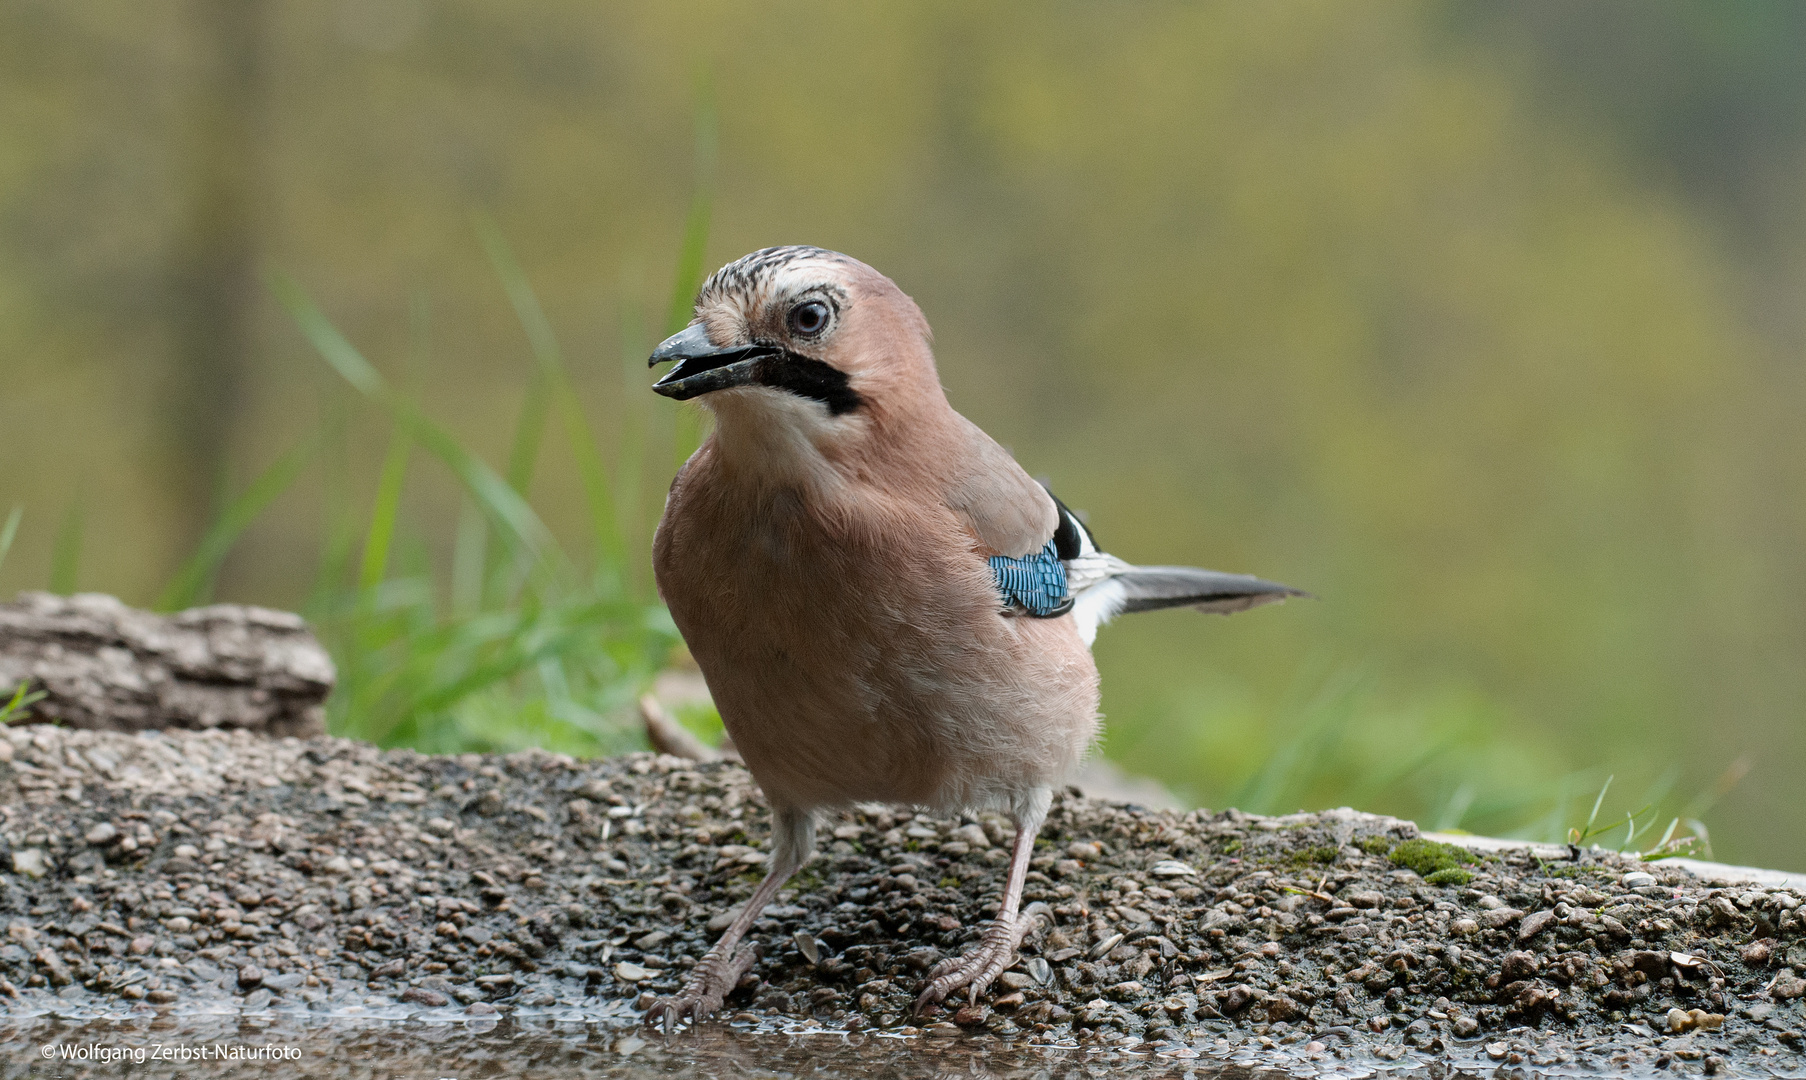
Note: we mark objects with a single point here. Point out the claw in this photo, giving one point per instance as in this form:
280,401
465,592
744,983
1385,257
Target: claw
975,970
703,992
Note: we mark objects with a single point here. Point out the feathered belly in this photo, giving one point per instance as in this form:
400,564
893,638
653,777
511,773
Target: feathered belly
838,690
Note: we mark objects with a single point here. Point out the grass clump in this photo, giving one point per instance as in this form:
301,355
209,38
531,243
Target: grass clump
17,707
1433,861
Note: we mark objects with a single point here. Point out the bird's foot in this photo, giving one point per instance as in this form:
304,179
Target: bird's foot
978,968
704,991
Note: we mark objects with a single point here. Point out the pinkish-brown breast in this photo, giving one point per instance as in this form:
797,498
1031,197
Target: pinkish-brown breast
854,644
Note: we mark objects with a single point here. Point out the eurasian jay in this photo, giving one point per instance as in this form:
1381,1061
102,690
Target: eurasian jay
886,607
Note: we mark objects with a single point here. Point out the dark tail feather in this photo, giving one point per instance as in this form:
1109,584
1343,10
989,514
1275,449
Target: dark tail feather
1149,588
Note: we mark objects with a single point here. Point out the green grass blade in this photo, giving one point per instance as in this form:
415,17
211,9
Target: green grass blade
1326,717
340,541
1585,832
540,338
386,509
556,383
529,431
195,577
520,526
10,530
326,339
630,459
469,559
22,699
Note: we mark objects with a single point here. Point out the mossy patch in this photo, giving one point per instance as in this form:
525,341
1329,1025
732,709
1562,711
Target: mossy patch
1454,875
1375,845
1323,854
1429,858
1558,871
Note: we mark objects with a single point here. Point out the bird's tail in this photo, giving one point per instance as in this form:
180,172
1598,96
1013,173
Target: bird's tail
1149,588
1130,588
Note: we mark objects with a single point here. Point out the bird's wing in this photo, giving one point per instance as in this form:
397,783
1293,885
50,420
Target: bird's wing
1008,512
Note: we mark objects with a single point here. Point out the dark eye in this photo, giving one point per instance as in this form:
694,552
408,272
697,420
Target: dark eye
809,318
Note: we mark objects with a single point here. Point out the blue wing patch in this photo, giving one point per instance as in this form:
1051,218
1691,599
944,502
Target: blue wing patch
1036,584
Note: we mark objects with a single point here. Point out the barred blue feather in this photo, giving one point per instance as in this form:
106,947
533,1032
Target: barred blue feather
1036,583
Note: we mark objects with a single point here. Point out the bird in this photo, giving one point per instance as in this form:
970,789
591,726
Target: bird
886,607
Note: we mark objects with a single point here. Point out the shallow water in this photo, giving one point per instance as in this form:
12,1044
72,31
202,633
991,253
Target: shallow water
487,1047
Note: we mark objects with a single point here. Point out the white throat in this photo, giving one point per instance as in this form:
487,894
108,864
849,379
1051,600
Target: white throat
768,437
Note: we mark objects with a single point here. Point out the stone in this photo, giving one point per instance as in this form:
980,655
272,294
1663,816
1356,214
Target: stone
394,969
30,862
250,977
1534,923
1787,986
103,834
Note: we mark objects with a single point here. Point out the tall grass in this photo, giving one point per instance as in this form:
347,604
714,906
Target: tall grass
523,644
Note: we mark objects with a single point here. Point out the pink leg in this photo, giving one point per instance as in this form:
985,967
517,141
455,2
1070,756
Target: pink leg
996,950
714,976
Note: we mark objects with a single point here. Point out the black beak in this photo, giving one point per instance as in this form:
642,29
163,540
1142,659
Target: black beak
703,367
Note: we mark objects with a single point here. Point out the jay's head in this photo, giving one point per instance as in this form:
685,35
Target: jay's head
799,333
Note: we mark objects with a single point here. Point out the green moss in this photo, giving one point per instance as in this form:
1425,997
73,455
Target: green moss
1322,853
1559,871
1428,857
1454,875
1232,847
1375,845
949,883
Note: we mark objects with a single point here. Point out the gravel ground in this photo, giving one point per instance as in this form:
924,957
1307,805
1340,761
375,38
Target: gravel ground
183,874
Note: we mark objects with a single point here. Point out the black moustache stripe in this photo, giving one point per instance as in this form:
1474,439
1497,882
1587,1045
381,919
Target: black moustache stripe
810,378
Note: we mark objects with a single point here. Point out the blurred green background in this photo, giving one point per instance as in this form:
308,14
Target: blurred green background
1480,322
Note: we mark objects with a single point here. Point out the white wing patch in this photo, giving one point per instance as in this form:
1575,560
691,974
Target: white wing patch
1096,606
1097,597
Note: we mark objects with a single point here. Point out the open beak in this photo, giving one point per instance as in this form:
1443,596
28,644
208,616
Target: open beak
703,367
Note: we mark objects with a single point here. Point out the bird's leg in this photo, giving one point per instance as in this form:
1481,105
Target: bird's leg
709,982
996,950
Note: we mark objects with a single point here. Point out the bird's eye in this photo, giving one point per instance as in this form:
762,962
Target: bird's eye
809,318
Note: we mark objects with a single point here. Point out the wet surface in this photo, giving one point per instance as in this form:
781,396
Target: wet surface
479,1047
488,1046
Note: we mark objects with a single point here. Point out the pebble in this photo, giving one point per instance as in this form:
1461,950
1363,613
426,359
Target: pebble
29,862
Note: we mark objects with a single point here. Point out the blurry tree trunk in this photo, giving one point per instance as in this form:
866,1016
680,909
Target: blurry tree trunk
214,272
